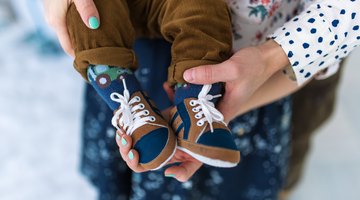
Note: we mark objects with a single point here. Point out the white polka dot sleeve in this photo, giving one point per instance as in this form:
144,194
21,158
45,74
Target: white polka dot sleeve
320,37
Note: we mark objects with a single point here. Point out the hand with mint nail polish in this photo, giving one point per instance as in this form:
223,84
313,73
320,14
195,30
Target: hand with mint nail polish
182,172
129,155
55,15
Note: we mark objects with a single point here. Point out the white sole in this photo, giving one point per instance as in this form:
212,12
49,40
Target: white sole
167,160
208,161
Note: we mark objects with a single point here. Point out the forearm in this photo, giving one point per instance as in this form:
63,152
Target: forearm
274,56
278,85
275,88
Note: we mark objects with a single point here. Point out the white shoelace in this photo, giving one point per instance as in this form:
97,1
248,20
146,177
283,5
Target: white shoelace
132,117
206,111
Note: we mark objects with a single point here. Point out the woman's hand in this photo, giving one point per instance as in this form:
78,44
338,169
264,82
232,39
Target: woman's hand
244,73
182,172
55,15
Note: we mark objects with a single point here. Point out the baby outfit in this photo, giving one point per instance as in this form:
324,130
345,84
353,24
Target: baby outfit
200,33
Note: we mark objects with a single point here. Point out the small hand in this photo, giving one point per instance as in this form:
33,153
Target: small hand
55,15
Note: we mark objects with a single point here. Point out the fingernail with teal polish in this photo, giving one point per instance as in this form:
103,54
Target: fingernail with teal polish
118,137
170,175
131,155
94,23
123,141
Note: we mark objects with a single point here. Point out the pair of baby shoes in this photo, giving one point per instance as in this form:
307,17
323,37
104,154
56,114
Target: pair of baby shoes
196,127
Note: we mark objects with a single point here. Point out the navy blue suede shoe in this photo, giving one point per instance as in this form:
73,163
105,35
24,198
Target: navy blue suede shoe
201,131
152,137
134,114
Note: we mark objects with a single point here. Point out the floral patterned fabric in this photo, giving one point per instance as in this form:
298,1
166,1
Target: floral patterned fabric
254,20
262,136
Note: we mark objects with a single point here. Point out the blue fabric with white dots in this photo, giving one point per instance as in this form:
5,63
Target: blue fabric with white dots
320,36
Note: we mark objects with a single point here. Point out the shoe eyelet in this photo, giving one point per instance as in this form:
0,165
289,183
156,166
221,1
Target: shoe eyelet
146,112
197,116
152,119
192,103
142,106
195,110
200,123
137,98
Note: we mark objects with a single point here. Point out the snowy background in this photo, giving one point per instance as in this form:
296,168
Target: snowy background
40,112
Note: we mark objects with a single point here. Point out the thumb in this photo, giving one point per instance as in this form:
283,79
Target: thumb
88,12
184,171
209,74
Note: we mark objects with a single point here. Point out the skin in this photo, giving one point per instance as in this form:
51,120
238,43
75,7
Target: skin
252,78
55,15
244,73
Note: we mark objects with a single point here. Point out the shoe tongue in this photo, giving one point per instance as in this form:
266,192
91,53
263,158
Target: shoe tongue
184,91
215,125
110,81
117,86
132,83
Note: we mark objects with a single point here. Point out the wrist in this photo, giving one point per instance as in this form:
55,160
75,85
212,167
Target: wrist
274,56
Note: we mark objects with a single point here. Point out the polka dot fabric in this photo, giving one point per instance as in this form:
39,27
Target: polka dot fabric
320,37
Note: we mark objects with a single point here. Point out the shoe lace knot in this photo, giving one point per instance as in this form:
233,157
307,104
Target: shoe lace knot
129,116
205,109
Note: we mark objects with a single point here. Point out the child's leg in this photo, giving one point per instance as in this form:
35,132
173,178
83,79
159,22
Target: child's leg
200,31
110,44
98,53
104,57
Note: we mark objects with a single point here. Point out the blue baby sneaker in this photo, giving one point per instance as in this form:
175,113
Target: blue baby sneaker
201,131
135,115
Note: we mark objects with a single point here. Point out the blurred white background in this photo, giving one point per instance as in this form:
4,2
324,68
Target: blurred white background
40,113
